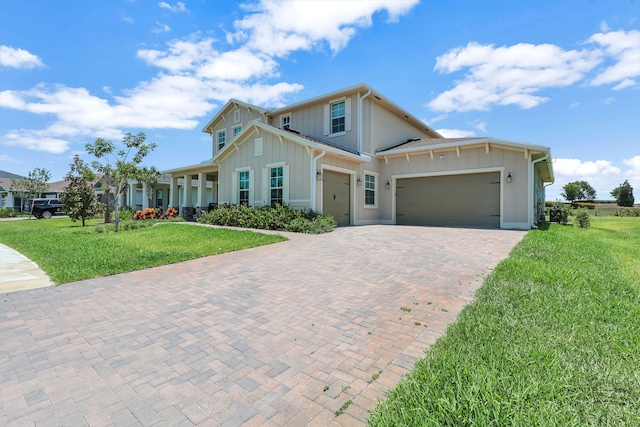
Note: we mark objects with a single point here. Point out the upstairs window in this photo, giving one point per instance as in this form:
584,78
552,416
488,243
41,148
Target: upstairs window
236,130
276,185
222,139
338,117
286,122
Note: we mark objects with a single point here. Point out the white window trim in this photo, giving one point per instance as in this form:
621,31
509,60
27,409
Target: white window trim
235,185
347,116
236,116
282,117
218,139
266,182
233,131
376,175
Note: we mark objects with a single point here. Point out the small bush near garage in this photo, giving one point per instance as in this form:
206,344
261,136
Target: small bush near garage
278,217
559,213
582,218
7,213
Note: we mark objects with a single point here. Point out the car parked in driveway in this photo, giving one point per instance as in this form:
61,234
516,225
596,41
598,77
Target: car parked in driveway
46,208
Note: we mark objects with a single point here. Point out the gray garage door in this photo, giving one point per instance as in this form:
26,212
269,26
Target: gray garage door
335,196
471,200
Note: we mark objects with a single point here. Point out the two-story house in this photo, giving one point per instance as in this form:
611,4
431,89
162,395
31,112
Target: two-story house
358,156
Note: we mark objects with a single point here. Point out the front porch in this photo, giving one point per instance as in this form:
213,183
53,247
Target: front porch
192,188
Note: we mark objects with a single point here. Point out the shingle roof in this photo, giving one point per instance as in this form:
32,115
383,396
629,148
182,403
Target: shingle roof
317,141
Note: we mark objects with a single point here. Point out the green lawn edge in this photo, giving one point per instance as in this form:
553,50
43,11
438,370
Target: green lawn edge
552,338
68,252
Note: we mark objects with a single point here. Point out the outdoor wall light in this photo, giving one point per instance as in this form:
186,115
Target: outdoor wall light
319,176
441,156
358,181
387,185
509,178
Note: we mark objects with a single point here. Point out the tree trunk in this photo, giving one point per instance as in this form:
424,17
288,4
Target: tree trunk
107,212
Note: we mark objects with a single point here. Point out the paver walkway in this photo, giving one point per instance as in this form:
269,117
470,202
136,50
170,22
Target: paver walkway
251,337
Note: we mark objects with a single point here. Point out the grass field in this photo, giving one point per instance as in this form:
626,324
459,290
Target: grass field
552,339
68,252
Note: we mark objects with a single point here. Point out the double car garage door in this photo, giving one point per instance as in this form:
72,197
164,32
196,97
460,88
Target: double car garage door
471,200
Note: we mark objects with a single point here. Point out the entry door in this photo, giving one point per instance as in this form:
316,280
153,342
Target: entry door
336,199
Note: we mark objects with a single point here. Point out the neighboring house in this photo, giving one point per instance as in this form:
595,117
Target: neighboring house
358,156
7,198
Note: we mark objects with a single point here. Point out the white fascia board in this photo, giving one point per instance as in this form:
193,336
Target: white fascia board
200,167
229,103
449,145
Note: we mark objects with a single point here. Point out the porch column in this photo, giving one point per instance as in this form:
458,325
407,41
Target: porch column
145,199
174,193
214,191
202,191
187,204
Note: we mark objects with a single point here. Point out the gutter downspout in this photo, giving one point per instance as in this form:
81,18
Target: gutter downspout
533,173
314,183
360,120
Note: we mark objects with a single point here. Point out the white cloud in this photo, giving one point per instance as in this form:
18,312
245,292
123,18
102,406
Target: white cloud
624,48
602,175
516,75
633,174
278,27
127,19
609,101
5,158
179,7
480,125
195,74
38,141
574,105
508,74
161,28
18,58
456,133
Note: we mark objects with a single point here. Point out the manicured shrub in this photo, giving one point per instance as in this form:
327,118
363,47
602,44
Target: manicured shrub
278,217
169,213
149,213
587,205
628,212
7,213
582,217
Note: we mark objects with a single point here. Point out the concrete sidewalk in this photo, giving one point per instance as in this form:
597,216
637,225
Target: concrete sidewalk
18,273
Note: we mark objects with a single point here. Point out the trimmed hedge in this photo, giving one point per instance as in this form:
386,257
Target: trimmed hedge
628,212
588,205
278,217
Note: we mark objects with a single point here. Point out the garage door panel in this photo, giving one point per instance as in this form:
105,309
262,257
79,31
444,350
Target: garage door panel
471,200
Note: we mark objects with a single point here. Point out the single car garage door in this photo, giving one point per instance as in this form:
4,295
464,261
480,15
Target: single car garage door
470,200
335,196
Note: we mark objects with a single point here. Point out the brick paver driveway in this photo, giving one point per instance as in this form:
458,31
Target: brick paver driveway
278,335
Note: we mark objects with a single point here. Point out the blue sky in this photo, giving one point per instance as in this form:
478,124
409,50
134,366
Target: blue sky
564,74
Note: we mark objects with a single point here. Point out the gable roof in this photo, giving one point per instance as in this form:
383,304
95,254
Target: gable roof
307,141
228,107
374,95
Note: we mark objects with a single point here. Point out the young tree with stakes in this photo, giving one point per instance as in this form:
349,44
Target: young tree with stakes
79,197
121,165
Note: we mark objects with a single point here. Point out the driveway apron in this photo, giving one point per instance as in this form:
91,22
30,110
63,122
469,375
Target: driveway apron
284,334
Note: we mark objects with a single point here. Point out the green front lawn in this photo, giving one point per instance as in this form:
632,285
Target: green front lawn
552,339
69,252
